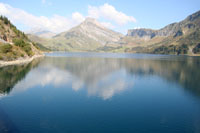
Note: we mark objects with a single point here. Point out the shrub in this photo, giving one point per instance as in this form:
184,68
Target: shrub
16,31
2,27
14,53
1,58
23,45
28,50
6,21
183,49
196,49
172,49
22,55
19,42
5,48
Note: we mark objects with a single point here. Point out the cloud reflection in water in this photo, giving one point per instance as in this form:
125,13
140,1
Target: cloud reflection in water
103,82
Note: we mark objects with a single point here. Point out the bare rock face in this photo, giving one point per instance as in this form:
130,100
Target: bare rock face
176,38
175,29
142,33
5,38
169,30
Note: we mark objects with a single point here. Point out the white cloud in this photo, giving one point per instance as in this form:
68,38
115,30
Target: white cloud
76,16
3,9
109,12
56,23
93,12
137,28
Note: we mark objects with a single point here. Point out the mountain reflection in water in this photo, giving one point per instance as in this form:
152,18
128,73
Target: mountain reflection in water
102,77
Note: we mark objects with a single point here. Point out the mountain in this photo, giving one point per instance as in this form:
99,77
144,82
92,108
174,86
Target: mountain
14,44
177,38
42,33
172,29
87,36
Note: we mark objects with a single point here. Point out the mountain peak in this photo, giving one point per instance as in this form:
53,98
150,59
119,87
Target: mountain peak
89,35
88,21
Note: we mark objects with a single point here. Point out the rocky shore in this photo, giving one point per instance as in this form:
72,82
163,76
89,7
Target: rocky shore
20,61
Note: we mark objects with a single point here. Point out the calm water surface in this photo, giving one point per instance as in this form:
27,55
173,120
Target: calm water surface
93,92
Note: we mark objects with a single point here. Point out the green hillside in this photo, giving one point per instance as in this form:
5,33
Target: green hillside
14,44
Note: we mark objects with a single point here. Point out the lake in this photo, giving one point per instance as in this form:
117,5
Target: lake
101,92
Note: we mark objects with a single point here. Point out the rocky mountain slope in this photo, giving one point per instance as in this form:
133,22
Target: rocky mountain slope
14,44
89,35
176,38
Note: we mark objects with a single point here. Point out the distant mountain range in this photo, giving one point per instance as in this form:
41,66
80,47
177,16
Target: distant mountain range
42,33
177,38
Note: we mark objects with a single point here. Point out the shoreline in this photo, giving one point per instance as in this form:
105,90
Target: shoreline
29,59
20,61
189,55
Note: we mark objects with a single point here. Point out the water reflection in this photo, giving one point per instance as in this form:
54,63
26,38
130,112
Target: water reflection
11,75
102,77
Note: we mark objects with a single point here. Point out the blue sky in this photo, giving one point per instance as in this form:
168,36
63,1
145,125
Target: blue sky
119,15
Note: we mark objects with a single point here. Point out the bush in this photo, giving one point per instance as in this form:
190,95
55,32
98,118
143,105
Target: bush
28,50
2,27
172,49
14,53
5,20
23,45
16,32
19,42
22,55
196,49
1,58
5,48
183,49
